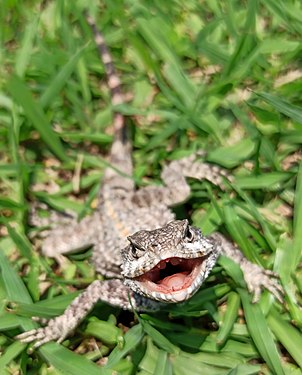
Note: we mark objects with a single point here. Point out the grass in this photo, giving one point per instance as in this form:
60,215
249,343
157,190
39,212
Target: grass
223,76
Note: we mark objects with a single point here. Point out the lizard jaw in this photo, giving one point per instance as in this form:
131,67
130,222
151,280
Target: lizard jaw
174,279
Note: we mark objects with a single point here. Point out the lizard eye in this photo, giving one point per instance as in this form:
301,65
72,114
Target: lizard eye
136,251
133,250
189,234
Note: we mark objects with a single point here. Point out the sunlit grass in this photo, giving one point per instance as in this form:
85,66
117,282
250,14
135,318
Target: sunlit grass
221,76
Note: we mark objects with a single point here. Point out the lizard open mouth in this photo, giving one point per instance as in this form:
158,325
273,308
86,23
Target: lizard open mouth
172,277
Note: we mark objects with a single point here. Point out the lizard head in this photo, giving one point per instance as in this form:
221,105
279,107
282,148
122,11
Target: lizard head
168,264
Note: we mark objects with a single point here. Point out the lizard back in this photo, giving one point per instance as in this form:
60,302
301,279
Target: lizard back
118,212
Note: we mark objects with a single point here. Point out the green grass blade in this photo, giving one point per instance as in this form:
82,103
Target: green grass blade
14,285
283,106
261,334
11,352
70,363
151,30
289,336
58,82
35,114
297,245
270,181
131,340
161,341
22,242
289,14
231,156
202,363
107,332
8,321
8,203
25,53
163,366
230,316
245,43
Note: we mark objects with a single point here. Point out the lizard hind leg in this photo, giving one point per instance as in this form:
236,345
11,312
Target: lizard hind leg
176,189
71,236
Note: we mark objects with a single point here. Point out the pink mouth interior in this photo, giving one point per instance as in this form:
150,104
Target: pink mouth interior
171,275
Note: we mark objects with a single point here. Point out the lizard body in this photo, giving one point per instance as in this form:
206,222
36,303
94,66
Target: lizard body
137,243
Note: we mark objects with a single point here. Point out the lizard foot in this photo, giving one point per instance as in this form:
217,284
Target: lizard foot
57,329
258,278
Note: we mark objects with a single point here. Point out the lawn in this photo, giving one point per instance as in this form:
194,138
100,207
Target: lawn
220,76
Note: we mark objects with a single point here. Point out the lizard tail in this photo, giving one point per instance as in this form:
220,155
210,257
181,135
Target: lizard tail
113,80
120,153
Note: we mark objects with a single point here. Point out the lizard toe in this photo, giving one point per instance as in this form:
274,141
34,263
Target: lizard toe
259,279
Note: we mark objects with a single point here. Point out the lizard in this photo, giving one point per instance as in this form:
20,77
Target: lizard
147,256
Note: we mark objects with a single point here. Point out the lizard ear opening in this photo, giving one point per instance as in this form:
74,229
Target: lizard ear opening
189,234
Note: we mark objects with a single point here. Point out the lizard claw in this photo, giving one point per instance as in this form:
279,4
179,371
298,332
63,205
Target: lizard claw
258,278
57,329
37,335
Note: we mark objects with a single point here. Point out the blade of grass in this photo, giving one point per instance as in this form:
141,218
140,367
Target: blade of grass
131,339
297,245
163,365
151,31
148,362
70,363
283,106
231,156
219,360
58,82
10,353
105,331
22,242
230,316
289,336
160,340
270,181
14,285
35,114
192,364
15,289
25,52
288,13
245,44
251,207
261,334
238,230
10,204
22,169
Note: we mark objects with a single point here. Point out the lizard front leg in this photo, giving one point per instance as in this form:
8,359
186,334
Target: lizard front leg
112,291
255,276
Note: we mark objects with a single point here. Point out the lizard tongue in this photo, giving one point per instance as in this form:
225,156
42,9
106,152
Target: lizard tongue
175,281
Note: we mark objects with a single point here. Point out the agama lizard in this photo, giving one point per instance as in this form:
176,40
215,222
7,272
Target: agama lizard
145,254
